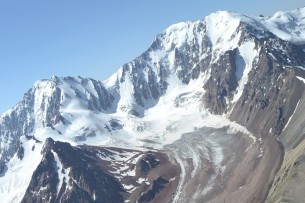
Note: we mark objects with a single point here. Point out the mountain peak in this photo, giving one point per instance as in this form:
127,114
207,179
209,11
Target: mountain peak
227,72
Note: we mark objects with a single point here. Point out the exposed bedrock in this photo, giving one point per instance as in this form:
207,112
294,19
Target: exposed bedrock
101,174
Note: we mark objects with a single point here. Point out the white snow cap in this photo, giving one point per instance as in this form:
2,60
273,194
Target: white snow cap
289,25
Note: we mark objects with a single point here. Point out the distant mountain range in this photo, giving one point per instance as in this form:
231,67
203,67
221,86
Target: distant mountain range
212,111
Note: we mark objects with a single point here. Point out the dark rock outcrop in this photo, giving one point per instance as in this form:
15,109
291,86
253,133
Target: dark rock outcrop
88,174
20,152
2,167
148,162
157,186
221,84
81,178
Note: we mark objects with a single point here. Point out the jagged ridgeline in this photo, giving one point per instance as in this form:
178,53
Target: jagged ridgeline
211,112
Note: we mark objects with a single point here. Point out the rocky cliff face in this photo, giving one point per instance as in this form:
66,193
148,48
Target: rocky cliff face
269,99
69,174
88,174
242,71
41,106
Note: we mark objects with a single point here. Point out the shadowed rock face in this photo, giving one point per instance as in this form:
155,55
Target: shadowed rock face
88,174
84,180
45,176
2,167
271,92
157,186
149,162
221,84
270,97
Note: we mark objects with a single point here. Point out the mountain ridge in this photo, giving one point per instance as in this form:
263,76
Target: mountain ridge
229,71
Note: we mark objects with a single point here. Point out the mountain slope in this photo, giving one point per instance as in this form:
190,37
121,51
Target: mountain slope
229,77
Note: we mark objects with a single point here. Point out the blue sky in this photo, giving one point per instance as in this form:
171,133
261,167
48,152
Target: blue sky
41,38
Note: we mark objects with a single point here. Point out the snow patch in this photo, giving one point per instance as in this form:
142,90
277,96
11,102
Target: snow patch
19,172
63,174
244,62
302,79
221,29
291,115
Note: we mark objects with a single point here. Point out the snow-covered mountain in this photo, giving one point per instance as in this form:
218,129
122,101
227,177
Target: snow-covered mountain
201,107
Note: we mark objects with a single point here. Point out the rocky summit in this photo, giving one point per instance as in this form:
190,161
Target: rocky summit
212,111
